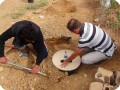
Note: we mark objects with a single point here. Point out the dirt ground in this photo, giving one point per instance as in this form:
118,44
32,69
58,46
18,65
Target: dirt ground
56,14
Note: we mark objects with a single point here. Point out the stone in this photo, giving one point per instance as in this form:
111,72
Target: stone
117,77
108,87
106,79
101,73
96,86
41,16
105,3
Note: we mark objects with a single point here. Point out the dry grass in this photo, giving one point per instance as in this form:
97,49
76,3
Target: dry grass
17,14
29,6
36,5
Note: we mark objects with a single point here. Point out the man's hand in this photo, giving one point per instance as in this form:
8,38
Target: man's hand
35,69
64,64
3,60
71,57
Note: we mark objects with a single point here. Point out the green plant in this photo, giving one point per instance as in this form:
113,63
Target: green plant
118,12
118,15
113,25
114,4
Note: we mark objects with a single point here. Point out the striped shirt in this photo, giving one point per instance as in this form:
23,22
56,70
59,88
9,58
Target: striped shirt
92,36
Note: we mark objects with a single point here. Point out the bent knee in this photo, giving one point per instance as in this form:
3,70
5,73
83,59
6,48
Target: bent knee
86,60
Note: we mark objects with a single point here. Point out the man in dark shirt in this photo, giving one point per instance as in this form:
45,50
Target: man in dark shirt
25,32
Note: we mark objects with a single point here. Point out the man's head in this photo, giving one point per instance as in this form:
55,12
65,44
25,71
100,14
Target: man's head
28,33
73,25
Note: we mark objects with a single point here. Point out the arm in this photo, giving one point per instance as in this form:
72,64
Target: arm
40,49
40,56
72,56
3,37
41,53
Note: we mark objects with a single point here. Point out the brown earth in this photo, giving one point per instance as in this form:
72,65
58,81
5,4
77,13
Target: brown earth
56,14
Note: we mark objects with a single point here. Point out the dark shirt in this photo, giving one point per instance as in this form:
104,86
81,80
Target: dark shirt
13,32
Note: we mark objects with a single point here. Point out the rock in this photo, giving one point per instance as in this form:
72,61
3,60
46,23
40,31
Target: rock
96,86
101,73
59,78
41,16
108,87
106,79
117,77
96,19
105,3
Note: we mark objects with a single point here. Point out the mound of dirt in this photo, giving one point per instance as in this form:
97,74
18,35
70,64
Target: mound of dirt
62,6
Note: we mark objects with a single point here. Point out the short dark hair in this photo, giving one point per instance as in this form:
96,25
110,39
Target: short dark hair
29,33
73,24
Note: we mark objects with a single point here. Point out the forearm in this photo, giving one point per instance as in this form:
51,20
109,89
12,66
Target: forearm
41,53
1,48
74,55
38,61
3,37
40,58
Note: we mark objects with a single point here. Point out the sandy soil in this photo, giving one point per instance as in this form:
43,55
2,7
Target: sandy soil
56,15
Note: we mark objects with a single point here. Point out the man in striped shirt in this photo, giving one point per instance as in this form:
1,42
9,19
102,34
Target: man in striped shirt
93,40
